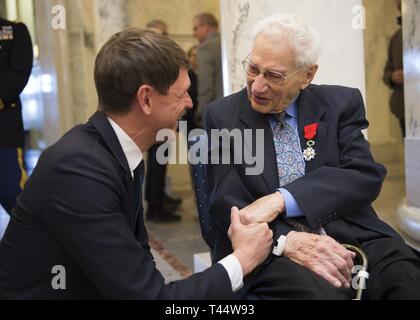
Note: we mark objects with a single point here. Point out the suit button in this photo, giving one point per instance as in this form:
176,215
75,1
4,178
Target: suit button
1,105
13,105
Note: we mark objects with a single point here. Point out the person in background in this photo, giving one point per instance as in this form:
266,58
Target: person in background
209,62
394,74
189,115
16,58
160,205
158,26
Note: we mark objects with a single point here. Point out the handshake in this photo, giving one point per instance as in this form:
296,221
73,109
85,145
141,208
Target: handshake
252,242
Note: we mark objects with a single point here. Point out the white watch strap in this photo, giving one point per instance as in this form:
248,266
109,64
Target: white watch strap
281,243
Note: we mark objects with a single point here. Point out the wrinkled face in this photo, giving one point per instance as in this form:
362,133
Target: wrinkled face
200,30
167,109
274,53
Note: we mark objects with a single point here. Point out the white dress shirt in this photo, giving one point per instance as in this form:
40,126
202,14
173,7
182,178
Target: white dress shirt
134,156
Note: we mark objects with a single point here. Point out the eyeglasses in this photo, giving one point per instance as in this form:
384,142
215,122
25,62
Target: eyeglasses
273,77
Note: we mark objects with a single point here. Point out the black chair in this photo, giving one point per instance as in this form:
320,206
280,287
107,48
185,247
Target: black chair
200,185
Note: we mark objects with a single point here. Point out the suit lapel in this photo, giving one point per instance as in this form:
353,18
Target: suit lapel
254,120
102,125
311,111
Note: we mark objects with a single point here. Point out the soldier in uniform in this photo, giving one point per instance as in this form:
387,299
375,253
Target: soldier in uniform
16,59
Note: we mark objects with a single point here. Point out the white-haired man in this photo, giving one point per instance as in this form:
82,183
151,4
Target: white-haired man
318,181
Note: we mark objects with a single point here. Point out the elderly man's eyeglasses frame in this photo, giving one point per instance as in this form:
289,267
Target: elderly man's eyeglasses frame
273,77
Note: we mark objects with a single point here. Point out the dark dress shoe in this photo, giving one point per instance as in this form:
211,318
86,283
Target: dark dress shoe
171,201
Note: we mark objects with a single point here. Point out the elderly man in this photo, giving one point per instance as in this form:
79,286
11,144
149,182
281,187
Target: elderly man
209,62
318,180
77,230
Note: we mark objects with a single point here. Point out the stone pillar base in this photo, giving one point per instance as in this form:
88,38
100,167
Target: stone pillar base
408,218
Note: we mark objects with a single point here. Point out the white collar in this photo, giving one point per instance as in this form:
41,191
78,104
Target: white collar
131,151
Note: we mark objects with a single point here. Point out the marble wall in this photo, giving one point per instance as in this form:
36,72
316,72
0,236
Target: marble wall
342,58
110,16
57,100
411,36
411,43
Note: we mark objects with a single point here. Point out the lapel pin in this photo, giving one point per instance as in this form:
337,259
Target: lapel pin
309,134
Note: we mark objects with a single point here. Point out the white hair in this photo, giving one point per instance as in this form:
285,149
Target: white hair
303,39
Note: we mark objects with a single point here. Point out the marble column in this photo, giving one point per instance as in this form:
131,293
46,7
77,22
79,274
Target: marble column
340,24
55,79
409,211
111,16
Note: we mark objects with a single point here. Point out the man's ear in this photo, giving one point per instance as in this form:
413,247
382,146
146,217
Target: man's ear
309,76
144,96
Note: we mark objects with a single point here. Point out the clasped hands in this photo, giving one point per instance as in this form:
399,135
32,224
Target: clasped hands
319,253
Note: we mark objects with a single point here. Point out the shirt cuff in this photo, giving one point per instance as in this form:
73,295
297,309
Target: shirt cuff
234,270
291,206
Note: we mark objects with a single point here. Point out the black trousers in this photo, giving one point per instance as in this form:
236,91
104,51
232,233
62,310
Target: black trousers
394,273
155,178
402,126
12,177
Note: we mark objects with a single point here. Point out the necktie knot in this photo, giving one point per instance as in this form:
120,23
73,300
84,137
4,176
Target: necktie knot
280,116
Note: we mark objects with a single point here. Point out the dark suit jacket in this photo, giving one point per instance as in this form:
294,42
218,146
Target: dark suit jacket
15,68
209,73
78,211
339,185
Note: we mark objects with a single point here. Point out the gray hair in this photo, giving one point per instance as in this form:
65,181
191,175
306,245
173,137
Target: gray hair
303,39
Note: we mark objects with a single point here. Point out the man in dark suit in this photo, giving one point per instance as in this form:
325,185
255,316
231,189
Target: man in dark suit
318,178
15,68
77,230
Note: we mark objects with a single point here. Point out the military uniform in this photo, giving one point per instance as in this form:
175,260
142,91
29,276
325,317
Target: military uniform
16,57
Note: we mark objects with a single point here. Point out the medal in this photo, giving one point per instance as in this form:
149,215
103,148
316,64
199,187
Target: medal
309,134
6,33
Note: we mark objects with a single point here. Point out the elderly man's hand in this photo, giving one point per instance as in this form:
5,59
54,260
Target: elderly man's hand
265,209
251,243
322,255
